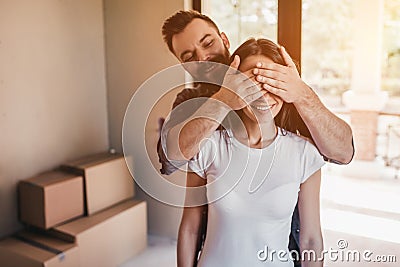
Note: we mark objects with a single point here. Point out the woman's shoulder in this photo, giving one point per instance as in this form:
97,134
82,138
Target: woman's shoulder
304,151
292,137
296,140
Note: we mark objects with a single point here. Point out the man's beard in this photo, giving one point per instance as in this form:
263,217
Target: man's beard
212,71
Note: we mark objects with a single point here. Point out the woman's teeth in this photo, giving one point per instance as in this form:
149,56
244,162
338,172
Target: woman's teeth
262,108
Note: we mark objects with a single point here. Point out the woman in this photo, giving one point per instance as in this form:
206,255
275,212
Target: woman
251,205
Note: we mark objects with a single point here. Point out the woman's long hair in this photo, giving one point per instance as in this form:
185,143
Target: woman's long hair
288,118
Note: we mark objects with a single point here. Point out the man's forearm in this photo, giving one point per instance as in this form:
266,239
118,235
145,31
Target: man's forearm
331,135
184,139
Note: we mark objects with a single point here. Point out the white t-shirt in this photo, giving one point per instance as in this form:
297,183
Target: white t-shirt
241,222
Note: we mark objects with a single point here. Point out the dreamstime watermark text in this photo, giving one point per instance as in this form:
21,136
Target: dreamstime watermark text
339,254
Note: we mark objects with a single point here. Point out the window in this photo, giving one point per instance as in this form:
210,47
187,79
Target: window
327,45
243,19
391,48
327,32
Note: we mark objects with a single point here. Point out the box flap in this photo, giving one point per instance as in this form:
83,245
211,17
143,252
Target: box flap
48,178
93,160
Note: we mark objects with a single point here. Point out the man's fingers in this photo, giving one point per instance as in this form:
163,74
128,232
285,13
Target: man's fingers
235,63
233,68
249,73
272,82
251,85
279,92
271,66
250,98
245,76
272,74
286,57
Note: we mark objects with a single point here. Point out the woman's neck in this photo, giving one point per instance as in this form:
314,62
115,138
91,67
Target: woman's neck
256,135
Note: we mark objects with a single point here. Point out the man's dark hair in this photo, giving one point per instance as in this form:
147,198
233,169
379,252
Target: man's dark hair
178,22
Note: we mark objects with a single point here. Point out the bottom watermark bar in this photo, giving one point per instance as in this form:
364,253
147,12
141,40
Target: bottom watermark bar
340,254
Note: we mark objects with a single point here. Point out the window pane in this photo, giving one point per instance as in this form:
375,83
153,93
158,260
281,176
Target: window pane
391,48
243,19
327,45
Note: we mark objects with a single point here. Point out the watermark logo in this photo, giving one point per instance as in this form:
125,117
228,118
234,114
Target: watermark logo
339,254
342,244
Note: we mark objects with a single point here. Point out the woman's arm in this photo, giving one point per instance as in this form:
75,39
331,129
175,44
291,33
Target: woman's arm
310,226
190,227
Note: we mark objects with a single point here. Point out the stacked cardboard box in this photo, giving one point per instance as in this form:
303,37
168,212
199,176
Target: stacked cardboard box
84,212
30,249
110,237
50,198
107,180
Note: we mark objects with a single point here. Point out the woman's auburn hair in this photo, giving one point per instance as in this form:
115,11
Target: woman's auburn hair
288,118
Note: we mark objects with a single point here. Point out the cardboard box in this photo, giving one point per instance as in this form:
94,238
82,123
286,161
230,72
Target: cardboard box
110,237
50,198
107,180
28,249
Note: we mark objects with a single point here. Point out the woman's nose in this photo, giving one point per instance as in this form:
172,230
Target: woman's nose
267,96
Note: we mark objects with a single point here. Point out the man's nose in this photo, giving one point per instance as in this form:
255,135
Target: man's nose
203,56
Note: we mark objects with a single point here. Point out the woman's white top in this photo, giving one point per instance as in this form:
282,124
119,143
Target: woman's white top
244,228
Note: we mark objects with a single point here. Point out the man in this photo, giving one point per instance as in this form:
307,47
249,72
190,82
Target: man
191,37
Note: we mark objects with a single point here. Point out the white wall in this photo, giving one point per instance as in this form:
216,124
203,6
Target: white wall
54,105
52,90
135,51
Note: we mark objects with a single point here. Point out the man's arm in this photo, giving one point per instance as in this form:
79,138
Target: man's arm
183,140
179,114
331,135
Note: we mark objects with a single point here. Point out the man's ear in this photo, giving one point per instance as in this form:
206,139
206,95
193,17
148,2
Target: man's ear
225,40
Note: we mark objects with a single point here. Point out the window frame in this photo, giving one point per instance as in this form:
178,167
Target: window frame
289,26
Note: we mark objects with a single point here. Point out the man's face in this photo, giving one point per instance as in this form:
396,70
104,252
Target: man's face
200,42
